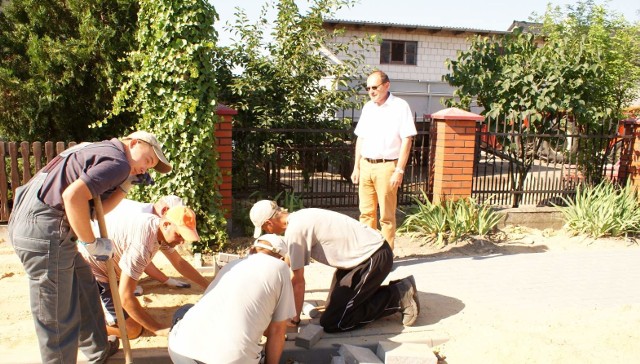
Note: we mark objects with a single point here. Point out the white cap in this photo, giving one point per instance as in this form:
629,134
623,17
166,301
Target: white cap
261,212
171,201
163,165
277,244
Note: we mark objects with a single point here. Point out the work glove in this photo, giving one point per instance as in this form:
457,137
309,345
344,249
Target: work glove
142,179
101,249
176,283
138,291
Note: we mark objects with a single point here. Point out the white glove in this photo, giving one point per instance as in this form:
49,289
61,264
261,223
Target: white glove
138,291
101,249
176,283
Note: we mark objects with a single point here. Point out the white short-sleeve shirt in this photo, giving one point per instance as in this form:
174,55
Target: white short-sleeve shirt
226,325
382,128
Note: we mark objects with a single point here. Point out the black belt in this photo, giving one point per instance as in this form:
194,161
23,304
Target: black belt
380,160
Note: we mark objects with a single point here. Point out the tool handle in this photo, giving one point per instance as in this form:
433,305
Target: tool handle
113,284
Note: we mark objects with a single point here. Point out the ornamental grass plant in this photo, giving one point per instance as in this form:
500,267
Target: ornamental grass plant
602,210
448,222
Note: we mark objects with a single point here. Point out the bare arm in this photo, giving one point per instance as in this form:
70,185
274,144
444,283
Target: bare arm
297,280
155,273
76,205
275,341
405,149
355,175
131,304
186,269
113,200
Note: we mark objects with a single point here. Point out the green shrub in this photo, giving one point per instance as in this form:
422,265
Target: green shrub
603,210
449,221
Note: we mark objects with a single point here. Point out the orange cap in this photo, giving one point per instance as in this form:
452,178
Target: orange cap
185,220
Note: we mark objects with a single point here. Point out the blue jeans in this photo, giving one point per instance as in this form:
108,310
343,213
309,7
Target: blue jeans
64,297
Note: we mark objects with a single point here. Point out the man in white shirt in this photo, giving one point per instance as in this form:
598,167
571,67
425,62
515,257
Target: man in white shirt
248,298
137,237
385,130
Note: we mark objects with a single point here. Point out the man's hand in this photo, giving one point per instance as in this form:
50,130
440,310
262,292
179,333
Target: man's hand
143,179
162,332
355,176
176,283
101,249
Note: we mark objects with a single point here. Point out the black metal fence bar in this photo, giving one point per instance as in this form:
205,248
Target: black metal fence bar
515,167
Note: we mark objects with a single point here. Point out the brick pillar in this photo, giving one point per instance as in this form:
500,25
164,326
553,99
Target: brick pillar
454,153
630,165
223,134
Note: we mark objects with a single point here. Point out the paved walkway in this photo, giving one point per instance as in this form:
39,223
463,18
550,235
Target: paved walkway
535,282
450,287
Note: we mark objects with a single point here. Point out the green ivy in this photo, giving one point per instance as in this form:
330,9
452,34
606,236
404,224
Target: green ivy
172,88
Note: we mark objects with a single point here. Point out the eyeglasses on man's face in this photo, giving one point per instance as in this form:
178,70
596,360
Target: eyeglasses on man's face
374,88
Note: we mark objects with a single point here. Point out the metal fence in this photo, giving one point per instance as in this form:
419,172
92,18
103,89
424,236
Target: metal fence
518,164
320,175
515,165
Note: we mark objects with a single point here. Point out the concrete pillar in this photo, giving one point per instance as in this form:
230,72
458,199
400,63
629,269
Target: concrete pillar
223,134
454,144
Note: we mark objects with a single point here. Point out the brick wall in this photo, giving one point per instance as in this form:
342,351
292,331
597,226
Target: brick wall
454,151
223,135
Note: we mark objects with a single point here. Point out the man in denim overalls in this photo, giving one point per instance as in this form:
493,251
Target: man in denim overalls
50,215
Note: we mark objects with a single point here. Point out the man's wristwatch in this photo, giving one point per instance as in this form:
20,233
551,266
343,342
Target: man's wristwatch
398,170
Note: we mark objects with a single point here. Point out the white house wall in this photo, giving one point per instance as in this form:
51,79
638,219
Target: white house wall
421,85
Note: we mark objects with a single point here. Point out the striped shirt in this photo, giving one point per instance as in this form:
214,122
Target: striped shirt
135,239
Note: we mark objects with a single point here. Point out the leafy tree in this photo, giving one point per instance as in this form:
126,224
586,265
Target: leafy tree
60,67
611,36
172,88
539,84
289,81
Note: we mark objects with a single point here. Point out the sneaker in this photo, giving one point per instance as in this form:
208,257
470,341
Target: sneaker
411,280
409,306
114,345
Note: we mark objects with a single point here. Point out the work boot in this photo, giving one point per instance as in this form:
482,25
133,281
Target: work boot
409,304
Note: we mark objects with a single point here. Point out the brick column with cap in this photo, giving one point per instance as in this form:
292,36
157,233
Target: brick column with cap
454,153
630,162
223,134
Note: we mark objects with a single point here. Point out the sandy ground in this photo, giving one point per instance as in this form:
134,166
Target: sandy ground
614,331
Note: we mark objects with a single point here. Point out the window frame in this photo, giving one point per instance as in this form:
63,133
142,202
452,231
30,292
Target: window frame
387,54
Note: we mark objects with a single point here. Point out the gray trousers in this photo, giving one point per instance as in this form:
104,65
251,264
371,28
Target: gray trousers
65,303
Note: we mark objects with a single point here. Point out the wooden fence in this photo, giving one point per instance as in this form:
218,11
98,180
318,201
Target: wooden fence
19,162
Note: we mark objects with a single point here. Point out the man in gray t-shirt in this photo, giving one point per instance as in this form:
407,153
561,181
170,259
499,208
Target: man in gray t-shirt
362,259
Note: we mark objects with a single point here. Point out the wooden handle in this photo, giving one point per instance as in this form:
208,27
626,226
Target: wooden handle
113,284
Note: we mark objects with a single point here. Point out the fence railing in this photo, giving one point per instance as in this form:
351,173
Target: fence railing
19,162
517,165
513,167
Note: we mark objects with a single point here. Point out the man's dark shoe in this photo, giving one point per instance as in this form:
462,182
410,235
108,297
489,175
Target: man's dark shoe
409,305
114,345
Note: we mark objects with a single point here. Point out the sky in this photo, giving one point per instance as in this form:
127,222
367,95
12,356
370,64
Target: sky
474,14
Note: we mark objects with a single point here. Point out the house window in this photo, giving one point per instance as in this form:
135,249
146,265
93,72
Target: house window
398,52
